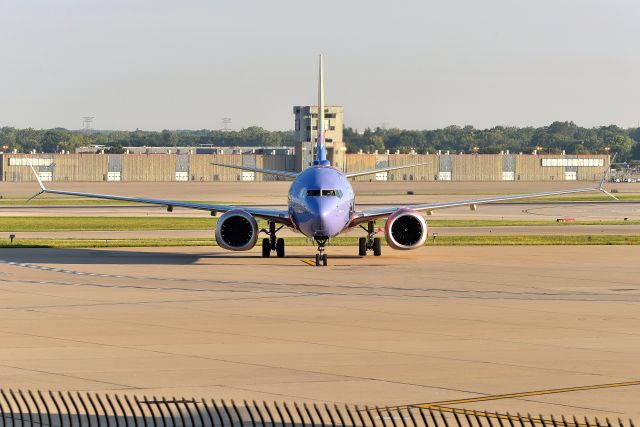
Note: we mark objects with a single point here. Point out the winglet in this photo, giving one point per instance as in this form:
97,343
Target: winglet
606,171
37,177
604,176
42,188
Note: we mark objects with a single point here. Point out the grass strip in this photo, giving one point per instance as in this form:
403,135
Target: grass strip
94,223
591,197
83,201
340,241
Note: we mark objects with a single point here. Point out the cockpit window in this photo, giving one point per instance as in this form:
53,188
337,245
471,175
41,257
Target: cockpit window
326,192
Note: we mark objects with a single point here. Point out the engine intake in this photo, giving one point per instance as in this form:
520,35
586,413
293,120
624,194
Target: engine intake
405,229
237,230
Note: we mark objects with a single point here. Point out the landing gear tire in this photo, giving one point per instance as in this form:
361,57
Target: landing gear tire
266,248
280,248
362,246
369,243
321,257
377,246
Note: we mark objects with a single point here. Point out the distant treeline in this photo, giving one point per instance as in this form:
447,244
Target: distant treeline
58,139
554,138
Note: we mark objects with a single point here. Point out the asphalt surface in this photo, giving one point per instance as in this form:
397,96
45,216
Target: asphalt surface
435,324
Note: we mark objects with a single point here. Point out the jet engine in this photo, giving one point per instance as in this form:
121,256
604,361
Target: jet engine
237,230
405,229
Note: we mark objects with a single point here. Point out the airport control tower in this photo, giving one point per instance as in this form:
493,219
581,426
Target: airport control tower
306,134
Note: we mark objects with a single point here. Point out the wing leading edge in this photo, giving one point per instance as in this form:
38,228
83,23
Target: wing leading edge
279,216
372,214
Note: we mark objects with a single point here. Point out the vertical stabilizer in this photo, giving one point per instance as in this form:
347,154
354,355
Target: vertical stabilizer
321,149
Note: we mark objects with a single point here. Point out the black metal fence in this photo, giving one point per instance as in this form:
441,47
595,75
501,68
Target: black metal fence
18,409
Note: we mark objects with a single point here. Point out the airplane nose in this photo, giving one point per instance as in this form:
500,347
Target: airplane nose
325,217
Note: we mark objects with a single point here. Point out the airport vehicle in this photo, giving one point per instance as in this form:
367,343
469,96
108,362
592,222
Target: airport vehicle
321,205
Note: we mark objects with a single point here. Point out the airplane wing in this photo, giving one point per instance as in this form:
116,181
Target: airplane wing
285,174
373,214
278,216
392,168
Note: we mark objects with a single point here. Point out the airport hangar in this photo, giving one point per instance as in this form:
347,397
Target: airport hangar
163,164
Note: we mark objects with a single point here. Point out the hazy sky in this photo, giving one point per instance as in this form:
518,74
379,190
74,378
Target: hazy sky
412,64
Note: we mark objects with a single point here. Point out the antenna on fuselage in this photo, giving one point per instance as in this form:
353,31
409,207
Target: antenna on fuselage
321,149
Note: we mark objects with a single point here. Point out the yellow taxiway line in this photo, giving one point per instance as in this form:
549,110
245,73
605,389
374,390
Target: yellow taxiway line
443,406
521,394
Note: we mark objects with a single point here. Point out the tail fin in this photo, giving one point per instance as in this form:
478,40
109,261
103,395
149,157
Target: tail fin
321,149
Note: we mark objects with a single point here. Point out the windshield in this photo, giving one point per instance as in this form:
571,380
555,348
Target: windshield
324,192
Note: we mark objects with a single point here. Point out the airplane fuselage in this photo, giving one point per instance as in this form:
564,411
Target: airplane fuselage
321,202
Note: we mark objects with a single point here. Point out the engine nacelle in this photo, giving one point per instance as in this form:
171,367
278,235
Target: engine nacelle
237,230
405,229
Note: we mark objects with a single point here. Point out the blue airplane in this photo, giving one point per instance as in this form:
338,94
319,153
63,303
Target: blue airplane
321,205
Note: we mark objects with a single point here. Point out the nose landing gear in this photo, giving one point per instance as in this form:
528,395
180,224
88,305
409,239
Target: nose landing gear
321,256
369,243
272,243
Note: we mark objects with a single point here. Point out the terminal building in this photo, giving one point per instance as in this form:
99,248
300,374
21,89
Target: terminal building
164,164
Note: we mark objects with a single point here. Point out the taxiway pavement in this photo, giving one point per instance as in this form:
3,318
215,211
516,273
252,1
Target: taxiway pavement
435,324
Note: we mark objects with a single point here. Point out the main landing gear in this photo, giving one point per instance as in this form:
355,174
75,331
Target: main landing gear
272,243
369,243
321,257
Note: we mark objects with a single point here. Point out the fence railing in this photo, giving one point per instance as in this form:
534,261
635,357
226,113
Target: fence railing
66,409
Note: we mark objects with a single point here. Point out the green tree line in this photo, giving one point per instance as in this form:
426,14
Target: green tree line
554,138
59,139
